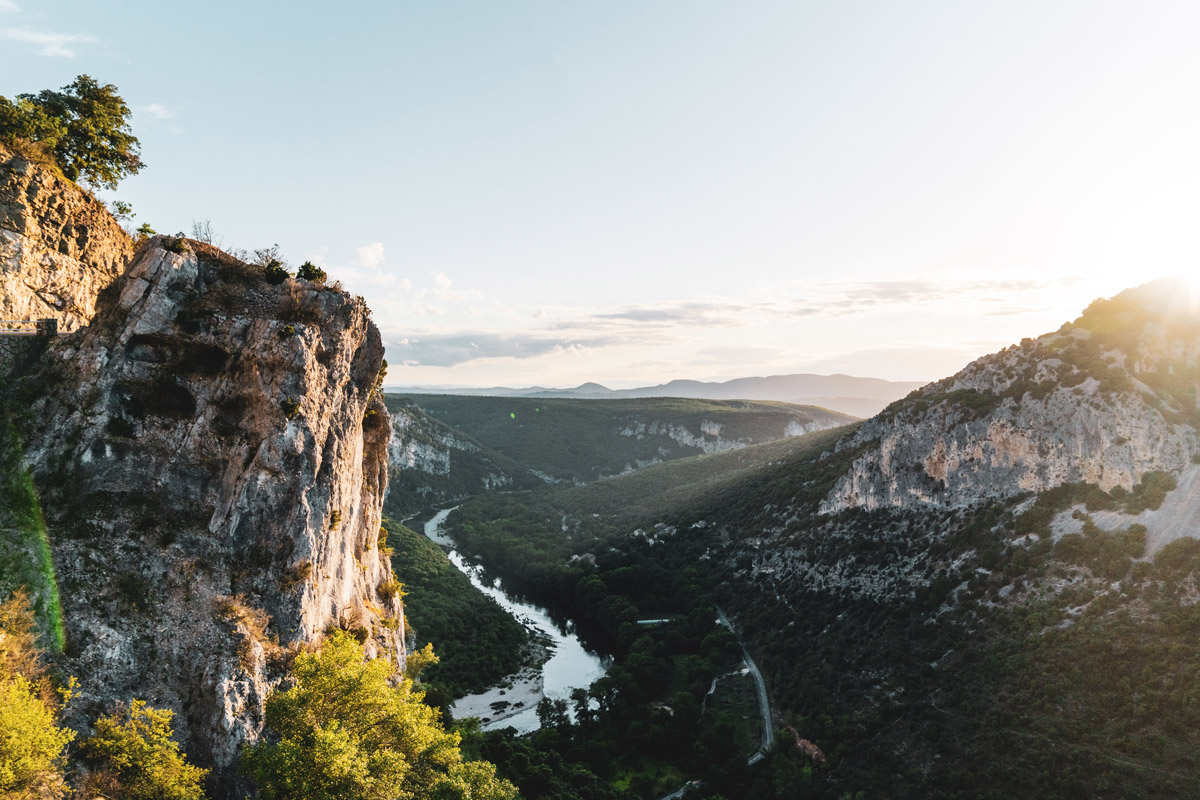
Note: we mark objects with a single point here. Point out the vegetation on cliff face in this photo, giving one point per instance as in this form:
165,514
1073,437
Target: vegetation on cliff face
130,755
136,757
83,130
25,557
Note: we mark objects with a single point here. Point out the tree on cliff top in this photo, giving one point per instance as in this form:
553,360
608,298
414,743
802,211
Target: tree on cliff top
84,129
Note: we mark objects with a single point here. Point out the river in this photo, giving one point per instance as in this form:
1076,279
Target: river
571,666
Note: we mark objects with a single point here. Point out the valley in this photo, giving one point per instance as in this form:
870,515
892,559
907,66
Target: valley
219,532
945,587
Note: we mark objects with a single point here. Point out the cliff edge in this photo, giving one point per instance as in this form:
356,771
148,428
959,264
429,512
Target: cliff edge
210,451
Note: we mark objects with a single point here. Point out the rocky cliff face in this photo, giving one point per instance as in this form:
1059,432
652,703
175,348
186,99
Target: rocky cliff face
1104,400
59,247
212,458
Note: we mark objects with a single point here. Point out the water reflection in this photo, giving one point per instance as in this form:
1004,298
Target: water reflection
572,666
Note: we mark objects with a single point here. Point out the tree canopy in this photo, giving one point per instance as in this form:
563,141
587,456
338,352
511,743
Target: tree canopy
139,759
83,128
352,728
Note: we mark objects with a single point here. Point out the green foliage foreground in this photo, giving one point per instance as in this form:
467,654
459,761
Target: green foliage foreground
141,760
32,745
352,728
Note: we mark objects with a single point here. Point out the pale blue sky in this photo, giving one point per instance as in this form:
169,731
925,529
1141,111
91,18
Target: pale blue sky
534,192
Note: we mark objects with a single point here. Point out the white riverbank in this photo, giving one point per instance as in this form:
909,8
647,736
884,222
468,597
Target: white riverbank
518,693
566,664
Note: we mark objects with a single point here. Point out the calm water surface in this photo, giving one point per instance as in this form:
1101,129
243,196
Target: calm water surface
572,666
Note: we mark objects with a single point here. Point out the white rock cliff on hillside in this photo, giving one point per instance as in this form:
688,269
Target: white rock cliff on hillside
1104,400
212,458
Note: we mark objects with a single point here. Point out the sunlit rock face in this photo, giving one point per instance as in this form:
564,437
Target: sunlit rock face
59,246
1105,400
212,457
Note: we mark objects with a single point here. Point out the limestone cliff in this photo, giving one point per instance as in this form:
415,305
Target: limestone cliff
212,458
59,247
432,464
1104,400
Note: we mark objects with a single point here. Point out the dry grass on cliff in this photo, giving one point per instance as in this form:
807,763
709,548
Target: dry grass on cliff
252,623
34,152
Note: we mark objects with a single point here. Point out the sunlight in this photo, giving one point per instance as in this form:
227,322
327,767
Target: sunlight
1191,284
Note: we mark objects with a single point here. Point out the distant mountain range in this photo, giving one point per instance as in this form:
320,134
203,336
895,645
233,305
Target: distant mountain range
860,397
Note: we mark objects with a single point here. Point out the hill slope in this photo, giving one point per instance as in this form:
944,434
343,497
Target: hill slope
431,464
950,600
576,441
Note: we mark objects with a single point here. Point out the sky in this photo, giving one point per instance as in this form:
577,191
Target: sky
534,193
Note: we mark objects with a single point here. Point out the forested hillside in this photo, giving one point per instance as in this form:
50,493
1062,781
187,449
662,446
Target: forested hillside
576,441
951,641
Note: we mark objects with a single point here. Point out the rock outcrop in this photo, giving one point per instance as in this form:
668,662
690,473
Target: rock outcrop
59,246
211,453
1104,400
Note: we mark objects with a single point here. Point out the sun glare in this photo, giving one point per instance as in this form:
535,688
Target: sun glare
1191,285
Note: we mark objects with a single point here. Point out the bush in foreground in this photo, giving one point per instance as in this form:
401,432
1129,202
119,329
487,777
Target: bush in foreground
138,758
32,745
349,729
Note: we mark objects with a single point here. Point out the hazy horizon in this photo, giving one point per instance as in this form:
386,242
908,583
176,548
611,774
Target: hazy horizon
616,385
533,194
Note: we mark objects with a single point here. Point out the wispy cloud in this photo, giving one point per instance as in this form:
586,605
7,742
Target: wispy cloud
821,300
688,313
370,255
158,111
840,299
460,348
60,45
8,5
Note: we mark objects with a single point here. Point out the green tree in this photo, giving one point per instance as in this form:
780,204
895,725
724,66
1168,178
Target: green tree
84,126
311,272
353,728
32,745
138,757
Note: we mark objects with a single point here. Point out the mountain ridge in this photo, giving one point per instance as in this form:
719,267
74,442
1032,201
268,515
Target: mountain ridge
860,397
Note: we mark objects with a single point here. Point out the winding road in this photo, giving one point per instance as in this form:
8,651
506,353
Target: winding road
764,708
764,702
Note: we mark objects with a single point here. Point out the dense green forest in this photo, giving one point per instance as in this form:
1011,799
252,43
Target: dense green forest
1081,682
673,709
